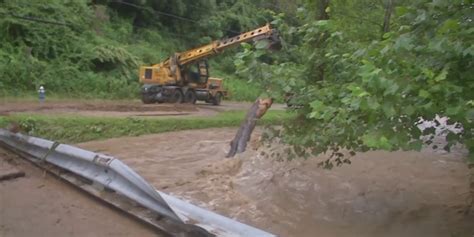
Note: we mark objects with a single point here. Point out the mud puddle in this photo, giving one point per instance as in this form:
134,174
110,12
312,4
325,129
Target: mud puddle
380,194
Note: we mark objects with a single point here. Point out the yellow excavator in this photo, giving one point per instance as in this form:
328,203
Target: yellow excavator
184,77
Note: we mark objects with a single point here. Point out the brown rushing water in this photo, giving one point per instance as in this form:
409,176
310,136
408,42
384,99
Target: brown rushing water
380,194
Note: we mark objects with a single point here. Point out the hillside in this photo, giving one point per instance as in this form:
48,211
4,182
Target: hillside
92,49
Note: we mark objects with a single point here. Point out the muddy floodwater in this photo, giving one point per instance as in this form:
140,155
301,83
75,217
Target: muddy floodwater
379,194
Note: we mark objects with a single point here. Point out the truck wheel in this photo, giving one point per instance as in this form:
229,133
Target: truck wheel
190,97
217,99
147,99
177,97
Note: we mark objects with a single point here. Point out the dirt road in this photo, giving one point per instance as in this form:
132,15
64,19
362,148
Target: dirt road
39,205
119,108
380,194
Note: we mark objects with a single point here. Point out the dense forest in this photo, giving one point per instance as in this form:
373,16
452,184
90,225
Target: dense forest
94,48
360,74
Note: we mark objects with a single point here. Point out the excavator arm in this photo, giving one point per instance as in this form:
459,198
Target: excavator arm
168,71
218,46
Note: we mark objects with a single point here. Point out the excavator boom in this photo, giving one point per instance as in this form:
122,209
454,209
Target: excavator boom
219,46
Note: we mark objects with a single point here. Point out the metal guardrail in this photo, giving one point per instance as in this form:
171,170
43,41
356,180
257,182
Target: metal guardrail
177,217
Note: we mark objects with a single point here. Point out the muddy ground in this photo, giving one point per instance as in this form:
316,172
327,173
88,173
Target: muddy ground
40,205
380,194
119,108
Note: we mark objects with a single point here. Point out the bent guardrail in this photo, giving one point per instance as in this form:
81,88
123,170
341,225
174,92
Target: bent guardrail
112,174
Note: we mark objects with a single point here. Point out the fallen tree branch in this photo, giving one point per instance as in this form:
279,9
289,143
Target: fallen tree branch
258,109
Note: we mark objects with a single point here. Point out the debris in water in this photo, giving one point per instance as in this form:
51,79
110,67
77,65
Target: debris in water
258,109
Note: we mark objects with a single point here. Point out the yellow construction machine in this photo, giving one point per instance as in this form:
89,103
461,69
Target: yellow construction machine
184,77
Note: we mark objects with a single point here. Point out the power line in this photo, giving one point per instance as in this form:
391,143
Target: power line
39,20
167,14
28,18
156,11
169,33
35,19
196,7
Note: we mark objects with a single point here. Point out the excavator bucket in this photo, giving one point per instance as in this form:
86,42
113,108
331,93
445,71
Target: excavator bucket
274,41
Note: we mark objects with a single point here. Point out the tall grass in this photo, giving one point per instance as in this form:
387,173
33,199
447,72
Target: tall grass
74,129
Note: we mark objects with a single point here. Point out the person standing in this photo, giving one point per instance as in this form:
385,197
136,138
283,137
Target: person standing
41,94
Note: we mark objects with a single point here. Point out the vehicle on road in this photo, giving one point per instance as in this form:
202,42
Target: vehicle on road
184,77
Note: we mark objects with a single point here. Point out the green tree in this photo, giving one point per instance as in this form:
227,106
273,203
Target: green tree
375,89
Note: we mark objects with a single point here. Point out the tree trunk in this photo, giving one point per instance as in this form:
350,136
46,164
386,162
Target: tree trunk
322,6
322,15
388,13
258,109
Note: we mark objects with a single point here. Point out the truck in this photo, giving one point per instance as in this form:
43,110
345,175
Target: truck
184,76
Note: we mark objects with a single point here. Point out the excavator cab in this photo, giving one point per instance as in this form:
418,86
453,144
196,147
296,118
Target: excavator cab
203,68
199,73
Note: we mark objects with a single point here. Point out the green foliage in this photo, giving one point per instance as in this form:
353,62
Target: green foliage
358,91
70,59
239,89
92,49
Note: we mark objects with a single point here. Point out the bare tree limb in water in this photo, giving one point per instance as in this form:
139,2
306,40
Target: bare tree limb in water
258,109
